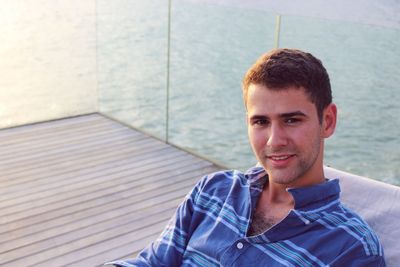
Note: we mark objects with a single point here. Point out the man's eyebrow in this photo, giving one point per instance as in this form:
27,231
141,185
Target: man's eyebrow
258,117
283,115
293,114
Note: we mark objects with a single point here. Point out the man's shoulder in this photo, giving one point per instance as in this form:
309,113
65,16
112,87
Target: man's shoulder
232,176
363,227
355,228
223,183
223,178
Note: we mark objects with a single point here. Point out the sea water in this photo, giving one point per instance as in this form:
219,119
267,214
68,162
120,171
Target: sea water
211,47
122,54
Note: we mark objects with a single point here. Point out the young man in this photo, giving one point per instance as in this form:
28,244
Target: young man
284,212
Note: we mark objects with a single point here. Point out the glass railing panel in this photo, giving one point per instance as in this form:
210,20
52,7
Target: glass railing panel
47,61
363,63
212,46
132,62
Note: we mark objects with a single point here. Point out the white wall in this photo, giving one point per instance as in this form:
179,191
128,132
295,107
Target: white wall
47,60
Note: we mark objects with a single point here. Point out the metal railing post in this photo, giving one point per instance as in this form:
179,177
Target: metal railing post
277,30
168,74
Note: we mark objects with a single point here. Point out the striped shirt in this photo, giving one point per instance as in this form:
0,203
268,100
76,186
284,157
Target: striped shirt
210,229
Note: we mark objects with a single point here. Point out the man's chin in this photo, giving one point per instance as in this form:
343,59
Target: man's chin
282,177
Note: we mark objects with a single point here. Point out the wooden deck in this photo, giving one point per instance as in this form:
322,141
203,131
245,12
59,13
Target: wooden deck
86,190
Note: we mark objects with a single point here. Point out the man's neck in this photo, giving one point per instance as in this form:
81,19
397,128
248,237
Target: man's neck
272,207
274,204
277,194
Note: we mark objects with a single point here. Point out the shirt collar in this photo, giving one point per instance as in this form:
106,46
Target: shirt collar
256,176
311,200
306,198
312,197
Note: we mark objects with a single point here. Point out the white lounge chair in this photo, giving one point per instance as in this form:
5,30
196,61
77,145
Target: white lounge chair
378,203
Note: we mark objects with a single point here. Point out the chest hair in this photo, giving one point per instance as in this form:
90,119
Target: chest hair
261,222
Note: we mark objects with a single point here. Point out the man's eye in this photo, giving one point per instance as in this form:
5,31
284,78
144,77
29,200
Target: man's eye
292,120
260,122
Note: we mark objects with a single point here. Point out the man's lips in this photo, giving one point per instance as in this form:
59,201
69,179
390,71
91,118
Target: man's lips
279,157
279,161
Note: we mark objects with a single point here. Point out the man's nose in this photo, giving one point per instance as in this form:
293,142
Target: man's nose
277,136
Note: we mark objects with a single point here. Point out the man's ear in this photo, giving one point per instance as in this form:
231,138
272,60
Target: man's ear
329,117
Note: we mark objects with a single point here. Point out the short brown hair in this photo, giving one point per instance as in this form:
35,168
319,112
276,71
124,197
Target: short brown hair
281,68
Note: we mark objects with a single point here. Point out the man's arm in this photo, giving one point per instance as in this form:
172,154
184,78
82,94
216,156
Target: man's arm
356,256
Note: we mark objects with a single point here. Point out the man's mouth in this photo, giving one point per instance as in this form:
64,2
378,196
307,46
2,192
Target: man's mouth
279,157
279,160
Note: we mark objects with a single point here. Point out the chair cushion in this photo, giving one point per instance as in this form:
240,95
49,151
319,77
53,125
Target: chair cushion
378,203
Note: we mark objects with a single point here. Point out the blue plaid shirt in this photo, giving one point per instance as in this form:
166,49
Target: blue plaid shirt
210,229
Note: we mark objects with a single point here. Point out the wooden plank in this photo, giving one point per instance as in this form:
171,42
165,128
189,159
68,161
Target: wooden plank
40,213
41,131
87,216
45,188
36,232
41,167
93,233
45,172
94,191
37,248
123,251
67,151
51,134
52,142
82,174
64,123
70,150
86,190
59,257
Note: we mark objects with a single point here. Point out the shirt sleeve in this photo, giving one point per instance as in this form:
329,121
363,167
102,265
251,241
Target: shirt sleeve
360,255
170,246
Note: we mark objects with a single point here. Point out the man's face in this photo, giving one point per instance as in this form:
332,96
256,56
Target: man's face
286,135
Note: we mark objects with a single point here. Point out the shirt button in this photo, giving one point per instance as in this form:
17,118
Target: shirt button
239,245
